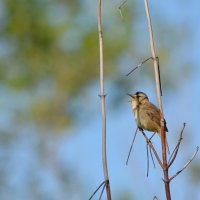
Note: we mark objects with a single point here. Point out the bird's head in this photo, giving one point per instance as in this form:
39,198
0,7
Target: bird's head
138,98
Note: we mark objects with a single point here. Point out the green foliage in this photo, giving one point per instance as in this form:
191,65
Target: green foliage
51,56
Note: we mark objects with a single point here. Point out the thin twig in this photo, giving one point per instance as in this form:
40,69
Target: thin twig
175,151
152,136
120,7
131,146
102,191
139,65
147,146
159,75
153,149
185,166
103,109
122,4
147,159
152,157
103,183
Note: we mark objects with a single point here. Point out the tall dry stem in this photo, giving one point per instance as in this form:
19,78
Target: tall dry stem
158,90
103,109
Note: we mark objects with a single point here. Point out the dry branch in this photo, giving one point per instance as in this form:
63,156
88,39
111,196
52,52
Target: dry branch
139,65
102,184
185,166
147,160
175,152
131,146
102,98
152,157
102,191
158,90
148,148
152,147
120,7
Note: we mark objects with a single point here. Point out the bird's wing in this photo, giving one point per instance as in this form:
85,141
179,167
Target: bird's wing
154,113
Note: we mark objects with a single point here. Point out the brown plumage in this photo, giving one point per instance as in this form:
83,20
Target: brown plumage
147,115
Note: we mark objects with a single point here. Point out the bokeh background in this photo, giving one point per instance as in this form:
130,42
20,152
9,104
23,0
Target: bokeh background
50,117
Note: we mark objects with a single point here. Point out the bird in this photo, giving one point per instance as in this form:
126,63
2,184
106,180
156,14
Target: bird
147,115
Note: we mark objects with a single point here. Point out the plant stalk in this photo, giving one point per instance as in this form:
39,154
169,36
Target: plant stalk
158,90
102,98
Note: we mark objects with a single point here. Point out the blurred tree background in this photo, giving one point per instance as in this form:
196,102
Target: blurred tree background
49,67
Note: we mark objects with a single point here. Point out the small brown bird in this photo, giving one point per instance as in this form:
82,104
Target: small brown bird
147,115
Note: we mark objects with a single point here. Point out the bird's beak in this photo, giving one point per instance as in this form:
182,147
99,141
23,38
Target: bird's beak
130,95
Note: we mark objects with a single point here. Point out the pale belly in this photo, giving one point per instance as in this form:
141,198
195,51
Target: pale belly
138,119
146,124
